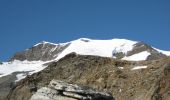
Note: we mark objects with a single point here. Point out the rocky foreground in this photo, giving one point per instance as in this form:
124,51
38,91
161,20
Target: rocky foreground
142,80
59,90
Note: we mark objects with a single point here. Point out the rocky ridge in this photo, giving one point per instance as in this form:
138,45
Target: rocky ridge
123,79
43,51
46,51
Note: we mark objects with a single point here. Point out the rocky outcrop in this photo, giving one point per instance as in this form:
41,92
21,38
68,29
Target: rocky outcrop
59,90
140,46
7,83
123,79
43,51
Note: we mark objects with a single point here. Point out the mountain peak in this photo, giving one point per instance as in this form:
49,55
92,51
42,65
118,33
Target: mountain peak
116,48
44,42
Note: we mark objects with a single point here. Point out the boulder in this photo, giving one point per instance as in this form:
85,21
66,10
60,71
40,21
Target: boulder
60,90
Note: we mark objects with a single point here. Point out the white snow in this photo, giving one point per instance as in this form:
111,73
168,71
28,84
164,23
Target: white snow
138,67
19,66
20,76
138,57
103,48
53,49
45,42
163,51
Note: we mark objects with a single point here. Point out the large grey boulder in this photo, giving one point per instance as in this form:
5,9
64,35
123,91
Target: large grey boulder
60,90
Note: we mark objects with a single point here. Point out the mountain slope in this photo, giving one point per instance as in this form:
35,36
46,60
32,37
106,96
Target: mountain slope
38,57
144,80
42,53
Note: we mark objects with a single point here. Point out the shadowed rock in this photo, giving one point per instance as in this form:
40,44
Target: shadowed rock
43,51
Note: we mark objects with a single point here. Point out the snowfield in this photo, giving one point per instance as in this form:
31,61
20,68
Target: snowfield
139,67
106,48
103,48
21,66
137,57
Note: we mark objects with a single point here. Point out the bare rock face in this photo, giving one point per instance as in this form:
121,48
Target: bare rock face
43,51
138,48
123,79
6,85
60,90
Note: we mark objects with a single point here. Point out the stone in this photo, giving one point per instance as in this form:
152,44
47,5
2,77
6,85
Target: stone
60,90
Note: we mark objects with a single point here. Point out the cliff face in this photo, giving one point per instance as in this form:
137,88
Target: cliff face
142,80
140,47
43,51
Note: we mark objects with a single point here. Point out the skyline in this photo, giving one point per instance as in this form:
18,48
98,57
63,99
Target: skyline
25,23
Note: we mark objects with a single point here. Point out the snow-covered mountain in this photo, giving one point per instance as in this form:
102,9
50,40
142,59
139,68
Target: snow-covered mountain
39,56
35,58
116,48
130,50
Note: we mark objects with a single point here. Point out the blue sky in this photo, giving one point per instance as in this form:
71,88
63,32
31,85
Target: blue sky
24,23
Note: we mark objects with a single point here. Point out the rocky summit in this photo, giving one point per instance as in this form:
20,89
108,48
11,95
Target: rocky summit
86,69
43,51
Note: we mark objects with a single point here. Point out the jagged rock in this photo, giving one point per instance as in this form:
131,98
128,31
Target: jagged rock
118,55
140,46
60,90
43,51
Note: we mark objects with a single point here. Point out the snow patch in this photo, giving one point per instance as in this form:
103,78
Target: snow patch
139,67
44,42
53,49
19,66
138,57
20,76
